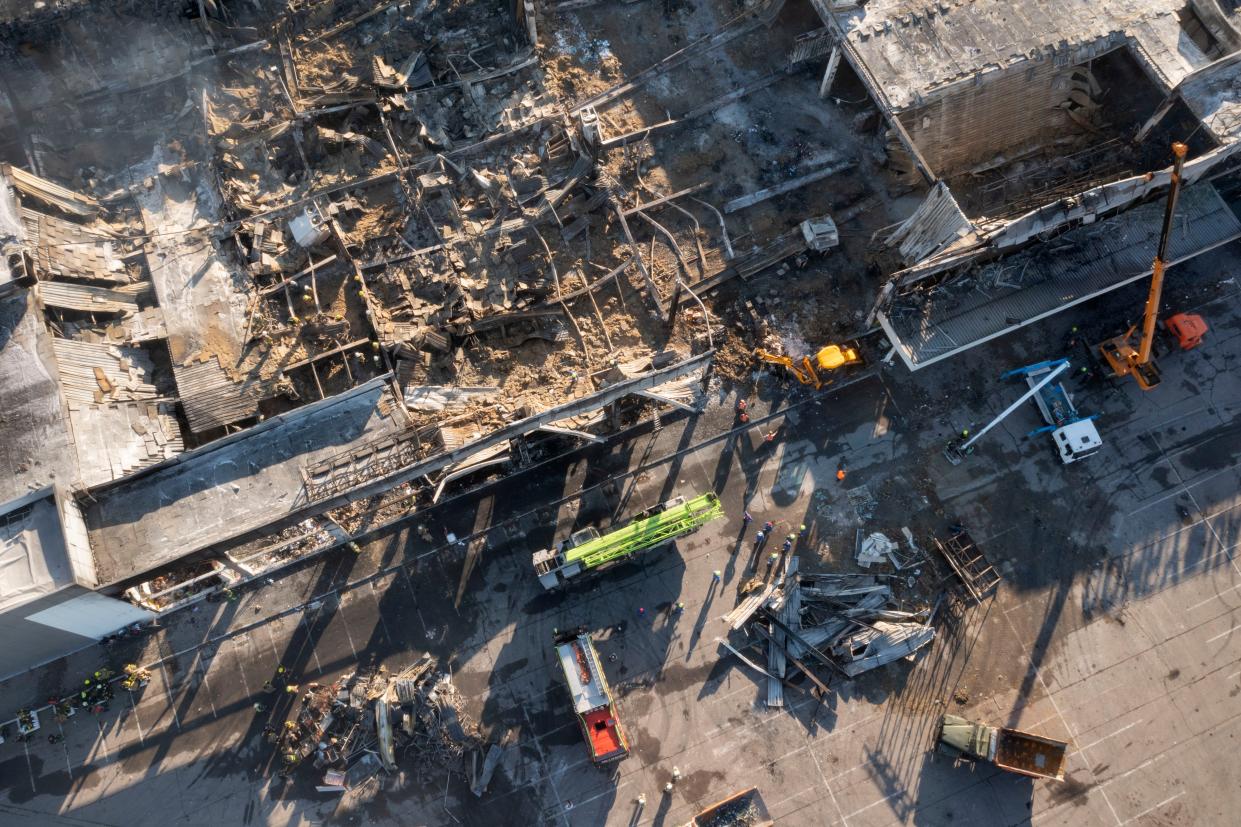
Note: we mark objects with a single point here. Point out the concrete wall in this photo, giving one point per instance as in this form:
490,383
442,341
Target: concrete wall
59,624
77,540
1003,111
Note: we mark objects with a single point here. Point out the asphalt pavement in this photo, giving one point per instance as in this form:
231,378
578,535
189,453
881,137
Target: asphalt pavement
1115,626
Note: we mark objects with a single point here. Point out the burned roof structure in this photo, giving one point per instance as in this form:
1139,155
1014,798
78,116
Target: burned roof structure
238,227
1032,122
262,266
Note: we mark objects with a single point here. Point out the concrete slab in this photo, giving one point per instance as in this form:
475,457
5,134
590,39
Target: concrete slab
250,479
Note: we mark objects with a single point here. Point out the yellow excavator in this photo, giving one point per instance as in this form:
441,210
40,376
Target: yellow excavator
1120,353
811,370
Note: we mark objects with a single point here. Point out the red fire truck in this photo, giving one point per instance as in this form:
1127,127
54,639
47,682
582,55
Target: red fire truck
592,699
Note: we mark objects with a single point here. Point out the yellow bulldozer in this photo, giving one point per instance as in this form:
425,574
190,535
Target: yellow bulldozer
815,370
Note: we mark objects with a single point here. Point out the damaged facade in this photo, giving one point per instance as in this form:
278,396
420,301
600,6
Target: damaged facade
448,286
275,277
1031,123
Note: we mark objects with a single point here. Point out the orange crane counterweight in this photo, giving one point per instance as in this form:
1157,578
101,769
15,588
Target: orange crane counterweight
1187,328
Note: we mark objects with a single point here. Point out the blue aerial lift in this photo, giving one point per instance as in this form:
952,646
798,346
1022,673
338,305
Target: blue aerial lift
1075,435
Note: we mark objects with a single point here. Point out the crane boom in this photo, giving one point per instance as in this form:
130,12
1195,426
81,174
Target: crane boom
1120,353
1157,269
587,549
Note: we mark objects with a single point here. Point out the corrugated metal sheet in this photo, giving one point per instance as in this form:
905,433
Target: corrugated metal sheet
66,250
86,298
126,372
51,193
810,45
211,399
937,223
1213,93
1045,279
118,438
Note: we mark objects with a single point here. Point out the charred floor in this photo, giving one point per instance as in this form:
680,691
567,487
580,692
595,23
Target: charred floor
319,317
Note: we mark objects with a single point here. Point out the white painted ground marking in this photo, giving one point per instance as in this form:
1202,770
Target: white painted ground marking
1227,631
1038,675
1214,597
172,704
1141,766
1149,810
1105,737
607,791
1183,489
134,708
29,766
210,699
340,610
888,797
64,746
1022,604
826,786
1194,501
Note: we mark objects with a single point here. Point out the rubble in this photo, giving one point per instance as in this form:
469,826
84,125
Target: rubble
969,564
879,548
415,716
744,809
876,548
332,259
841,624
414,194
880,644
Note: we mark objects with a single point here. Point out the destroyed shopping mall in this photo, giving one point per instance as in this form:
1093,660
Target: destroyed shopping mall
706,412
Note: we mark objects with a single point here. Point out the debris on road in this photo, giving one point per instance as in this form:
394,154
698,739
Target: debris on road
876,548
479,781
969,564
743,809
880,644
844,623
343,726
424,288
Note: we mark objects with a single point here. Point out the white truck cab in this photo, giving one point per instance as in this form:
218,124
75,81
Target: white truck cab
549,564
1077,440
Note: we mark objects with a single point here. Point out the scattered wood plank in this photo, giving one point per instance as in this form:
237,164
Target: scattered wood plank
742,657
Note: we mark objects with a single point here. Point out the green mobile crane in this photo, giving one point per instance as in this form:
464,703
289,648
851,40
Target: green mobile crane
587,550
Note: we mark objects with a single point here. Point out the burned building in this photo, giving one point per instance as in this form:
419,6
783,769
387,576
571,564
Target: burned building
1045,121
306,261
307,265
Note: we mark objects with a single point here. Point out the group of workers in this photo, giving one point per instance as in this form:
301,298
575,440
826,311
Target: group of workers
768,438
290,736
765,533
96,691
95,694
135,677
